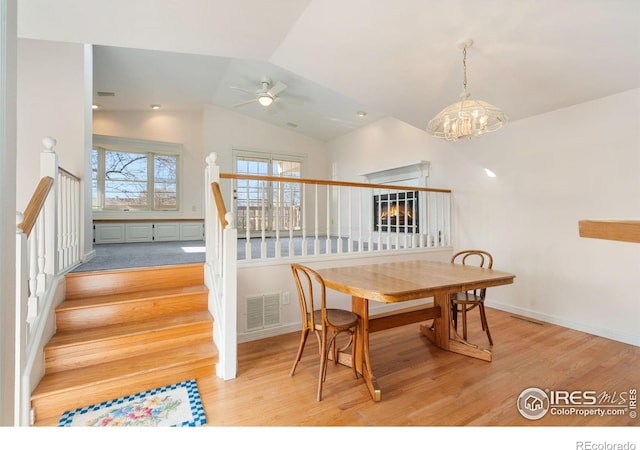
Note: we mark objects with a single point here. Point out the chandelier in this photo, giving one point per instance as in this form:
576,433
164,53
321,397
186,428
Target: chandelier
468,117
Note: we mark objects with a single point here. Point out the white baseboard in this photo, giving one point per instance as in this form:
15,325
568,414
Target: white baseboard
89,256
609,334
620,337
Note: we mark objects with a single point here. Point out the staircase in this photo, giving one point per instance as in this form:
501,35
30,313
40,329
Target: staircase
125,331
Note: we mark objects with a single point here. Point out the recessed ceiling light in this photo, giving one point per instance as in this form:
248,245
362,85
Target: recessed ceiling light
361,113
95,106
155,106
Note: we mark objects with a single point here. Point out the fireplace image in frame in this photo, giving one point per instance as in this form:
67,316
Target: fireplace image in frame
396,212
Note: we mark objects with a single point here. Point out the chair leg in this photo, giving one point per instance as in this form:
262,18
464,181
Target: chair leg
323,364
464,322
485,323
354,341
454,313
303,340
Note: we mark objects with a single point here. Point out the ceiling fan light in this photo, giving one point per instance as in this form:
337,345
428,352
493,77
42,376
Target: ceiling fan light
265,99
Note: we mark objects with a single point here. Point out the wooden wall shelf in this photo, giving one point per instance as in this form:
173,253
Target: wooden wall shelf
616,230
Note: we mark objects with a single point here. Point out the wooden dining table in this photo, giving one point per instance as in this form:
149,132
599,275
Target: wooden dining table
396,282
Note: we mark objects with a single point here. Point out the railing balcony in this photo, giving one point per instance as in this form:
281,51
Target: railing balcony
280,217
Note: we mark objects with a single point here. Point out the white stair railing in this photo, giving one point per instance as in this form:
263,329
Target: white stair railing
47,246
321,217
221,242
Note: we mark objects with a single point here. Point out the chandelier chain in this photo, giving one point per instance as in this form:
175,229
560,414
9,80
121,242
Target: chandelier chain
464,65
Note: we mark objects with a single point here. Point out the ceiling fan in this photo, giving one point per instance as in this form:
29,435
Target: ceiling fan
265,95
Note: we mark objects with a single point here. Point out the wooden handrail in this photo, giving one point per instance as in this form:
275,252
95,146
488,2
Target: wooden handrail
222,210
237,176
68,174
35,205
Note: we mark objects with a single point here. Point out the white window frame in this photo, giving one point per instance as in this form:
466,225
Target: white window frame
142,146
238,153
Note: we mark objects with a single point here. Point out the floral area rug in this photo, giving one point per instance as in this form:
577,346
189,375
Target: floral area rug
176,405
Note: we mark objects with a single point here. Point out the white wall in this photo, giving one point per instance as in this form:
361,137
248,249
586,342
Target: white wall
225,130
52,82
552,170
181,127
51,102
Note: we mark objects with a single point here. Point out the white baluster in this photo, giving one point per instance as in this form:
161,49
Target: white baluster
291,221
371,218
303,211
349,220
316,243
339,210
277,202
263,222
247,223
328,249
360,236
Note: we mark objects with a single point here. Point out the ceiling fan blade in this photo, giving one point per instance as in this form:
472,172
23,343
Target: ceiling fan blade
277,88
245,103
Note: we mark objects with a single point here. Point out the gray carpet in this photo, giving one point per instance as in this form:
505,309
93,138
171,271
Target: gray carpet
153,254
143,254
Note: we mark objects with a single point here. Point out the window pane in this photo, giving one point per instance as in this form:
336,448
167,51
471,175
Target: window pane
165,194
94,164
165,167
95,201
286,196
125,194
125,166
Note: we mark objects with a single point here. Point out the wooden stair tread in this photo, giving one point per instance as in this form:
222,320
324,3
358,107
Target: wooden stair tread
74,337
125,331
128,297
55,383
85,284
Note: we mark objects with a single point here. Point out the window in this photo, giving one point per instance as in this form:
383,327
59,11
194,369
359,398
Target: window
134,175
264,205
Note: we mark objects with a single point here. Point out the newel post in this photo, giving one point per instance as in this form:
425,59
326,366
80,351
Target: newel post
49,168
212,174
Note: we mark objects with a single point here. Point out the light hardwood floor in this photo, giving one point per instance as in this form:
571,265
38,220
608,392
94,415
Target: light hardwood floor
423,385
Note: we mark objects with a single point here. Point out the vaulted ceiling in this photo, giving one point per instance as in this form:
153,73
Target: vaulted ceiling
396,58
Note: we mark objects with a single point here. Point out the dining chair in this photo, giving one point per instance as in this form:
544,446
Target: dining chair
326,323
464,302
